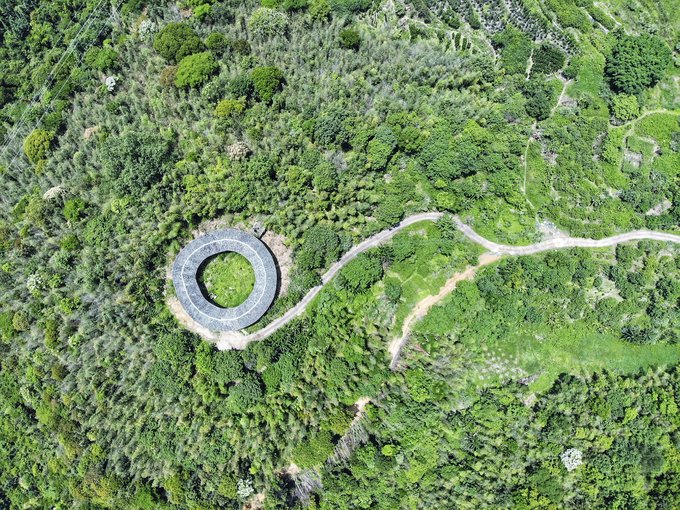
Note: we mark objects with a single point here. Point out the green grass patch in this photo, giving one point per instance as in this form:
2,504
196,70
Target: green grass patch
537,185
659,126
499,222
589,79
513,334
228,279
611,158
643,147
576,350
667,164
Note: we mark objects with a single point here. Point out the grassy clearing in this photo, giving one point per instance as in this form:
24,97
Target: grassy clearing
425,272
576,350
659,126
537,186
498,221
504,344
589,80
228,279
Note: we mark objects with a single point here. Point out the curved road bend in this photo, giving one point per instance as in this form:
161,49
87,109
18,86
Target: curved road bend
236,340
564,242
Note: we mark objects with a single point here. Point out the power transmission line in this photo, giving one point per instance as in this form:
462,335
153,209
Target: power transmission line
39,95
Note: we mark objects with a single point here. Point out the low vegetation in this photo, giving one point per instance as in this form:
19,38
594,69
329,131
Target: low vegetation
228,279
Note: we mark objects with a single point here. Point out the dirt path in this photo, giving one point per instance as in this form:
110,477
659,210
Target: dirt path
237,340
560,99
564,241
421,309
496,251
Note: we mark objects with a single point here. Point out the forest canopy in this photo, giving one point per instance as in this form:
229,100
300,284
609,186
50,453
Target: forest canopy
420,375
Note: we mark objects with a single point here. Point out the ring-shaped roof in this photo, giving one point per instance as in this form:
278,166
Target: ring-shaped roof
185,278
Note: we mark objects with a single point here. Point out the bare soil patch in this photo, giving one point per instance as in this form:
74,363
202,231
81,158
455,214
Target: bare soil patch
283,256
634,158
659,209
87,134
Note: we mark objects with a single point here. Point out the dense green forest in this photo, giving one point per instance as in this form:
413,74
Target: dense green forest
548,381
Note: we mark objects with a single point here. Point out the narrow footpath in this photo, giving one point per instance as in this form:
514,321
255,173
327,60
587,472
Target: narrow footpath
422,307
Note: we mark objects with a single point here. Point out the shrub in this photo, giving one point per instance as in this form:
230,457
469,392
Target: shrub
167,76
547,59
135,160
201,12
436,154
637,62
325,177
320,247
176,41
195,70
20,321
241,86
362,272
611,148
6,325
393,291
70,242
246,394
239,46
450,17
294,5
539,97
639,335
102,59
515,50
230,108
403,247
73,209
267,22
381,147
319,10
227,487
390,210
315,451
570,15
217,43
601,17
266,81
330,129
388,450
625,107
37,144
51,334
350,6
350,39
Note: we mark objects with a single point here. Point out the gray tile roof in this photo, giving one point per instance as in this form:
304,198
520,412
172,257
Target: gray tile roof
185,273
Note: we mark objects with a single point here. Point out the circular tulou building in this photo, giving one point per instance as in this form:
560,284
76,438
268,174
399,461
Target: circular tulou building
189,261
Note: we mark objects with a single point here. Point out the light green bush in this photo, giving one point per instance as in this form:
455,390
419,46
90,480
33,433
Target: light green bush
625,107
195,70
267,22
37,144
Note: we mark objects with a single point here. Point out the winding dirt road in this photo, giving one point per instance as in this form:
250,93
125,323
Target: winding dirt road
237,340
564,241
